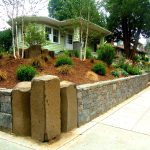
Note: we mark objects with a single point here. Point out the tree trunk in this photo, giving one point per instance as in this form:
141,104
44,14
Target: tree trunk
13,39
126,38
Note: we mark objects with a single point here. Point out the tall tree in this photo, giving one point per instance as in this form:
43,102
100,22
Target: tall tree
67,9
129,19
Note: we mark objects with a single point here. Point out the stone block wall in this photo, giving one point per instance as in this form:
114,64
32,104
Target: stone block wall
5,109
97,98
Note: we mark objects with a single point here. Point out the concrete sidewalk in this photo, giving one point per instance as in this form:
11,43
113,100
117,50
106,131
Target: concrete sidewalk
125,127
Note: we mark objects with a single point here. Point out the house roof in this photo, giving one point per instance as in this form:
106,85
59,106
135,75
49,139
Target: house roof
69,22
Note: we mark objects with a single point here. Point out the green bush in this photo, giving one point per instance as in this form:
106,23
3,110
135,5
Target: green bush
106,53
124,73
88,53
63,60
99,68
115,73
133,70
124,66
26,73
136,58
76,53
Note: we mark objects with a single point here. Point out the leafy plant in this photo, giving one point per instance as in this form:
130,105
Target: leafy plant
88,53
76,53
99,68
136,58
133,70
64,70
3,75
124,73
106,53
25,73
115,73
35,34
63,60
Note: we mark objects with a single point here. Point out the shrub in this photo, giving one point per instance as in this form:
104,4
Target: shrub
124,66
106,53
26,73
76,53
124,73
37,62
136,58
115,73
99,68
88,53
3,75
133,70
67,53
63,60
64,70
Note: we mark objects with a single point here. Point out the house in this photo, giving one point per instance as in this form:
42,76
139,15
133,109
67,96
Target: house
119,45
67,34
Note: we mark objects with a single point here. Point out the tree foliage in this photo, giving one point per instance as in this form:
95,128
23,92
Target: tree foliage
35,34
5,40
129,19
67,9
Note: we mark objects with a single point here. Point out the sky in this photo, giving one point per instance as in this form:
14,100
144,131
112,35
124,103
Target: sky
43,11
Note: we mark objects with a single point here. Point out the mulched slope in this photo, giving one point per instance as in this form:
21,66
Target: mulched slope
77,76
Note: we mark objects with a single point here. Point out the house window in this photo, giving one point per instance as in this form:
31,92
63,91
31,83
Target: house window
55,35
48,33
69,39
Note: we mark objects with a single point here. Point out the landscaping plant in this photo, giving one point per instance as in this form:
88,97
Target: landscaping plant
3,75
64,70
25,73
63,60
37,62
106,53
115,73
99,68
133,70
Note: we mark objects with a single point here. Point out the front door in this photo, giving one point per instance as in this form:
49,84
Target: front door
69,42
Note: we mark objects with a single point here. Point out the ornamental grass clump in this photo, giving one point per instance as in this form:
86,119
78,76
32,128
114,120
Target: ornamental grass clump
25,73
63,60
3,75
99,68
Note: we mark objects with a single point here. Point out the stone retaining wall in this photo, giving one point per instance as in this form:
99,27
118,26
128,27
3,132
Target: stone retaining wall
5,109
95,99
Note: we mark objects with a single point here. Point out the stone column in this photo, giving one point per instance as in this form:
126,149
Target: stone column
68,106
45,108
76,38
21,109
101,40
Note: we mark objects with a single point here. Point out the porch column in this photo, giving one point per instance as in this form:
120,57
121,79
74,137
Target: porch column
76,38
101,40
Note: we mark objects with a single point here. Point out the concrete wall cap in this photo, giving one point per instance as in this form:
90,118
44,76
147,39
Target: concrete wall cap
23,86
45,78
64,84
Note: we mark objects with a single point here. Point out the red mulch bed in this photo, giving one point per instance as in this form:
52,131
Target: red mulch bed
77,76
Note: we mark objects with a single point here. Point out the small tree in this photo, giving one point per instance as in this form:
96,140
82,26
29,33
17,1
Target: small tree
5,39
35,34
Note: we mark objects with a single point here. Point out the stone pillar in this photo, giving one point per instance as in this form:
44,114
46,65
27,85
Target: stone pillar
45,108
21,109
68,106
76,39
